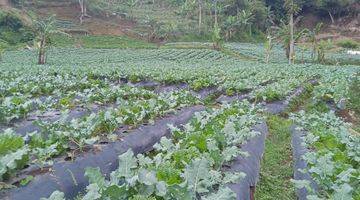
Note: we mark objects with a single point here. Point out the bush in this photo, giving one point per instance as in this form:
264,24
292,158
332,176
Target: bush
348,44
354,95
13,28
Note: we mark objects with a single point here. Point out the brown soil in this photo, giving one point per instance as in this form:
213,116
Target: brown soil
4,4
345,27
345,114
352,118
95,25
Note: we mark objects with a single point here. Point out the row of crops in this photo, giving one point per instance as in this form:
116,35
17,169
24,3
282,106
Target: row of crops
25,88
84,100
332,157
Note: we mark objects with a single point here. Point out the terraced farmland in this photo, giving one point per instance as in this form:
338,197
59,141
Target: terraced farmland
165,124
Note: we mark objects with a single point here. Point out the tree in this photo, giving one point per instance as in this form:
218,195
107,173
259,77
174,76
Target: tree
292,9
216,37
312,34
268,47
43,29
283,34
230,26
245,18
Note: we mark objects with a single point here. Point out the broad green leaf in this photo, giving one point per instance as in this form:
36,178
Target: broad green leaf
233,177
147,177
94,175
116,192
343,192
57,195
127,162
224,193
196,172
92,192
161,188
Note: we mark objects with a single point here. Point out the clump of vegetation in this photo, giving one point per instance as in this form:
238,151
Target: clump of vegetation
316,106
216,38
322,48
312,34
14,28
301,99
354,95
348,44
268,48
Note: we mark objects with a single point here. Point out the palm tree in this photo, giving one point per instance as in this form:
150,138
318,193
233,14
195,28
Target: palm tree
43,29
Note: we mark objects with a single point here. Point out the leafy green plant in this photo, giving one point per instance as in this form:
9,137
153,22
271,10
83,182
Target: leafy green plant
312,35
9,142
13,153
354,94
322,48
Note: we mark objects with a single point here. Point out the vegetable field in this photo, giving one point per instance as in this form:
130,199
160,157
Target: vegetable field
170,124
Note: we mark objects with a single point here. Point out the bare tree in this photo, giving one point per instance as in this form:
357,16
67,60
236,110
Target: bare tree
83,11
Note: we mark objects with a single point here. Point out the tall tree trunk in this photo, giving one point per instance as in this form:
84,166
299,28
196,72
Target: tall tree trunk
216,16
331,17
41,60
250,30
291,49
287,51
83,10
200,16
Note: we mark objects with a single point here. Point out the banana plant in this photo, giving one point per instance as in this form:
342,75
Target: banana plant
43,29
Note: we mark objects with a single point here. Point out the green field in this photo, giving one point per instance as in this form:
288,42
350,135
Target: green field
117,88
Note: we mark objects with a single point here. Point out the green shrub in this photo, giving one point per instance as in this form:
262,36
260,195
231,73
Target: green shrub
354,95
13,28
348,44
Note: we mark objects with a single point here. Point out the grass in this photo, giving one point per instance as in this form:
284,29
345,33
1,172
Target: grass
276,167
